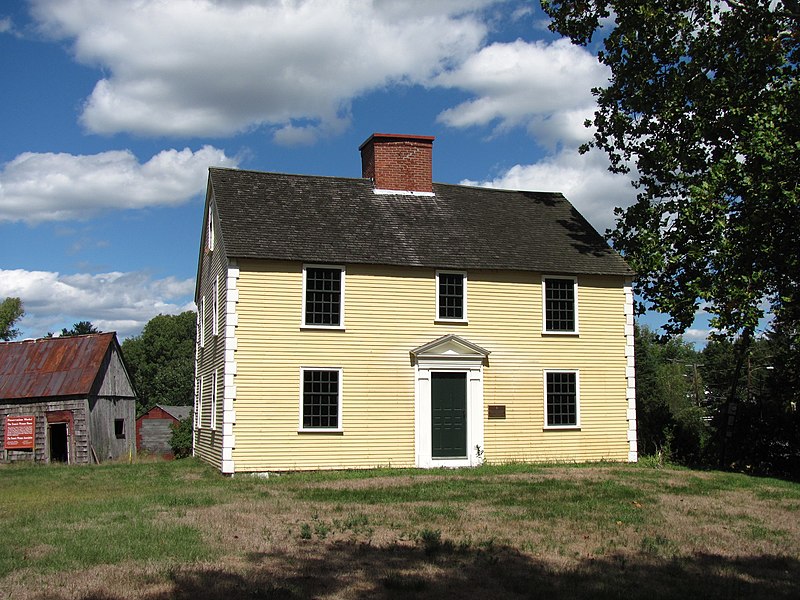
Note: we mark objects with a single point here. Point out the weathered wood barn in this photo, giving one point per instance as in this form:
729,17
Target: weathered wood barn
66,399
154,428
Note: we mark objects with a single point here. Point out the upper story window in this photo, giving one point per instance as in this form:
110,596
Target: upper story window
562,399
560,301
215,308
451,296
210,231
323,294
201,322
320,400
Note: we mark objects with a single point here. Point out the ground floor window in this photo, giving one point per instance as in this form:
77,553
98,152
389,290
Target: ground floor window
320,399
561,399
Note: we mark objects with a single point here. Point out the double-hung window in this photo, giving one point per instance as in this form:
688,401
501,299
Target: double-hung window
210,230
215,308
323,296
562,399
201,322
320,399
451,296
560,302
198,402
214,392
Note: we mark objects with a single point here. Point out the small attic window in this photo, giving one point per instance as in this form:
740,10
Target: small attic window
210,231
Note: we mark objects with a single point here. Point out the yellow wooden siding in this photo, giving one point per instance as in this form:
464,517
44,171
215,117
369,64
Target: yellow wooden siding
388,312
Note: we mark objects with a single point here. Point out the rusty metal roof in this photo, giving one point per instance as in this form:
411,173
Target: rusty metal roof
48,367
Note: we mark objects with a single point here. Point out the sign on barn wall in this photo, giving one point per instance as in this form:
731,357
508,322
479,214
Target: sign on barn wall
20,432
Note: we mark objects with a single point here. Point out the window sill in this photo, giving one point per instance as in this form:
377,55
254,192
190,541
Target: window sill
561,428
323,327
451,322
321,430
562,333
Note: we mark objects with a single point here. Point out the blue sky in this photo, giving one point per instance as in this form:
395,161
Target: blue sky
112,112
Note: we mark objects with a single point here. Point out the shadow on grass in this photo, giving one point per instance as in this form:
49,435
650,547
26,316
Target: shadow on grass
354,570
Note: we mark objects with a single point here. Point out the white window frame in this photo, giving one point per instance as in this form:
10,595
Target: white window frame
215,308
577,374
301,428
198,404
214,390
464,317
575,330
340,326
202,322
210,230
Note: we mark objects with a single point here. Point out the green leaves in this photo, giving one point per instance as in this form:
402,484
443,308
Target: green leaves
11,311
703,100
161,360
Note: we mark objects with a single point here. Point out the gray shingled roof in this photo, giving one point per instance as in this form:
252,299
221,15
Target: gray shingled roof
177,412
340,220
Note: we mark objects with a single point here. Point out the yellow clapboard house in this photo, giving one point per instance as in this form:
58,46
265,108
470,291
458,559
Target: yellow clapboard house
391,321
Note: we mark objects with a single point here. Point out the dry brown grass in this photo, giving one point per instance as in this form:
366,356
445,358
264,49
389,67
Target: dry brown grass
656,534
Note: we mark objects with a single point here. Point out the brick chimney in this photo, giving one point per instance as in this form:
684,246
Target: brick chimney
398,163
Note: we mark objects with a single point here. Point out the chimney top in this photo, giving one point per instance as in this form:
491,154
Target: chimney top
398,163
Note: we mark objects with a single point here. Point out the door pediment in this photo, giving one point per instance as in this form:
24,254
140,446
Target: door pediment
450,347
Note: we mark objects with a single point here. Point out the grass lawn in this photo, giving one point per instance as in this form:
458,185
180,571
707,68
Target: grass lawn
162,530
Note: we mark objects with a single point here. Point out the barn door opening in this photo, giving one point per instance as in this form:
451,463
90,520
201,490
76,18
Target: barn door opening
58,434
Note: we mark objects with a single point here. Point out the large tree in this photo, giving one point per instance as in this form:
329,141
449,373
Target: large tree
670,398
702,108
11,311
161,360
766,433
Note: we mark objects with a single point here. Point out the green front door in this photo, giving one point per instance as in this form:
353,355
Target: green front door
449,415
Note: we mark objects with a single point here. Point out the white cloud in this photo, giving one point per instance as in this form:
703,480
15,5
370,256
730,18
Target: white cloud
5,25
50,187
697,335
121,302
583,179
208,67
544,86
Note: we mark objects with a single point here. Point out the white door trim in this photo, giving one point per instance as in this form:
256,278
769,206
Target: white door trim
423,441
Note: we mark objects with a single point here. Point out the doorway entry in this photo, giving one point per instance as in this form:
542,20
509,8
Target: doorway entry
58,436
448,415
448,402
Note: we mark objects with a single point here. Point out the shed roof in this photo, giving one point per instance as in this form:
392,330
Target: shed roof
48,367
342,220
177,412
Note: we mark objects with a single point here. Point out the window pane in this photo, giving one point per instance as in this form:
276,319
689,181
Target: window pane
323,296
451,296
559,305
562,399
321,399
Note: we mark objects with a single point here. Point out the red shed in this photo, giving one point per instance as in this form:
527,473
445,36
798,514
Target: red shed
153,428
